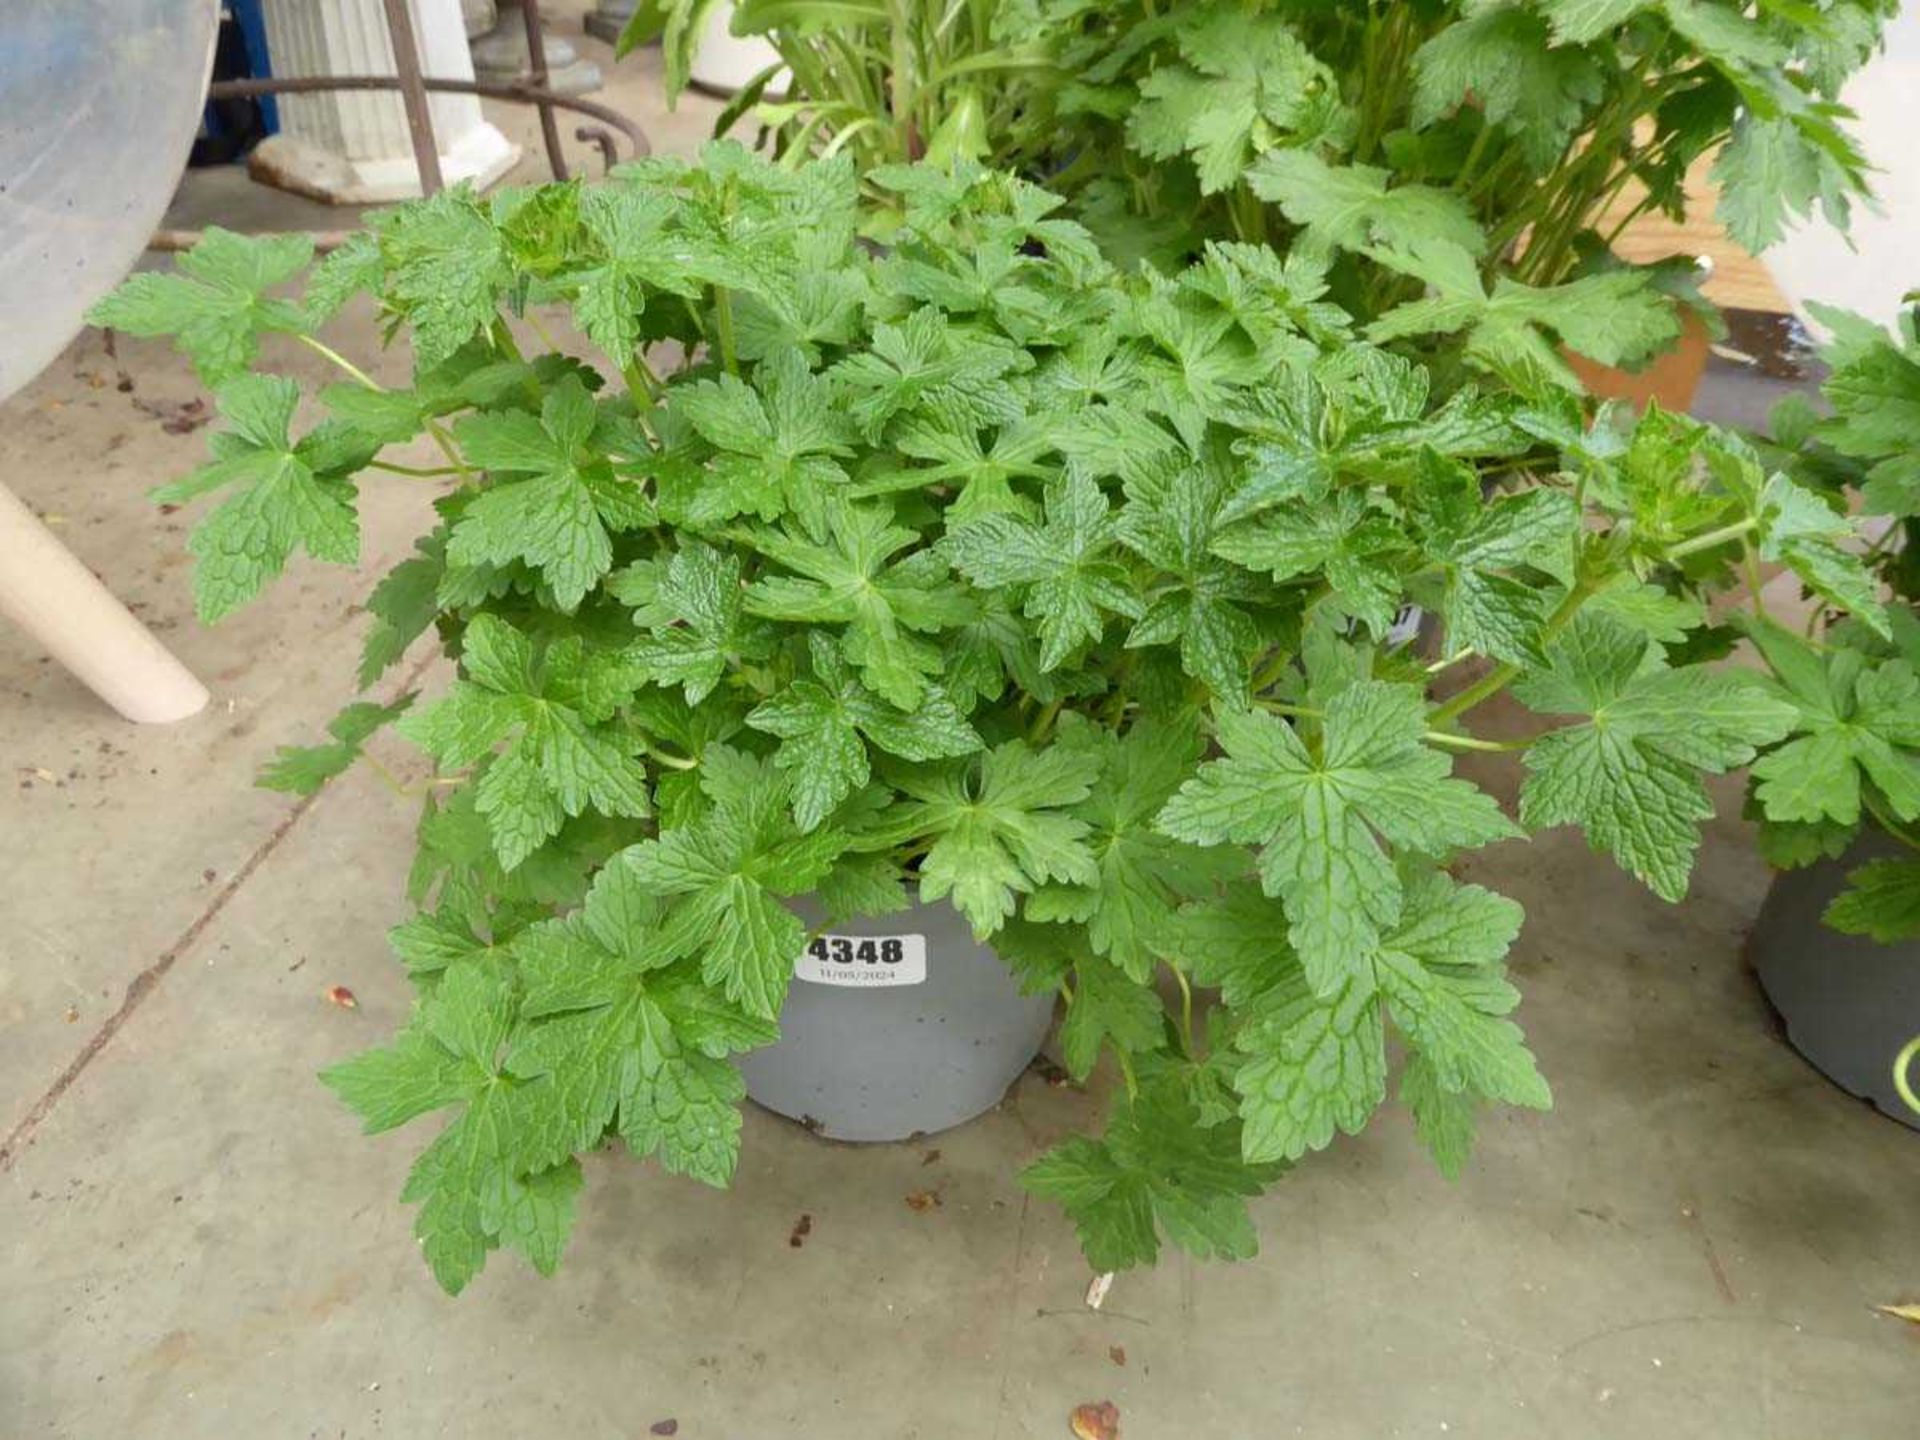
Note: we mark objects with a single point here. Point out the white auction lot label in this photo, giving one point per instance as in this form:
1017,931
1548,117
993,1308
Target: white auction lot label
863,960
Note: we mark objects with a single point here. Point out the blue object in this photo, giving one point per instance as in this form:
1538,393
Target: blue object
252,20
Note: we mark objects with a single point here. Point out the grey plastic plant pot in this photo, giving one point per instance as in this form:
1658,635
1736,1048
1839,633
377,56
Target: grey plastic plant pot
1850,1004
896,1026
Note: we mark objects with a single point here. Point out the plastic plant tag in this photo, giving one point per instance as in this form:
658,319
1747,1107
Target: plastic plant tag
1406,626
863,961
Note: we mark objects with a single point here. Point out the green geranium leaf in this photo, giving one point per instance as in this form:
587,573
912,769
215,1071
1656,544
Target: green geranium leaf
883,604
550,507
1501,59
1159,1170
1630,775
216,307
1353,207
1881,901
285,495
725,876
1320,815
1615,317
825,724
1064,568
693,608
1852,724
302,770
556,754
625,1037
1245,76
480,1184
1000,827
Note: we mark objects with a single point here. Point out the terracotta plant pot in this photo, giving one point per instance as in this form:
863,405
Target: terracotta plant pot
1672,379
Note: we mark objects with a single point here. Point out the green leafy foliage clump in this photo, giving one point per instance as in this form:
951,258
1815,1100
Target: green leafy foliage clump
976,569
1466,164
1850,764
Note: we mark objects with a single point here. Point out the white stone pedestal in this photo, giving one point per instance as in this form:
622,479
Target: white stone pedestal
501,55
608,18
351,147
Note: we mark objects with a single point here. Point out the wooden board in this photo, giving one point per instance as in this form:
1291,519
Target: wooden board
1738,282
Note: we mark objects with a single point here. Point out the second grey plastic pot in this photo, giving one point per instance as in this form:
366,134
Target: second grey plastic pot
1850,1003
896,1026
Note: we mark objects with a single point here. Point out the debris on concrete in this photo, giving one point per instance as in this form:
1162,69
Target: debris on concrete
1099,1420
1051,1073
176,417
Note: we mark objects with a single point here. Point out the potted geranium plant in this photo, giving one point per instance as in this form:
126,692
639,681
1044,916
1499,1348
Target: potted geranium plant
976,574
1837,944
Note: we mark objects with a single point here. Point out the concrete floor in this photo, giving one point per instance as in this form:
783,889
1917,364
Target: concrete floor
195,1241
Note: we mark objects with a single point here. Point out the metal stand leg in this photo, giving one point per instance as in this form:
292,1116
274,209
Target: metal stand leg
406,59
57,600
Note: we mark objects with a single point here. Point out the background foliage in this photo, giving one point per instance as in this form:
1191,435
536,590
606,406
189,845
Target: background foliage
1485,153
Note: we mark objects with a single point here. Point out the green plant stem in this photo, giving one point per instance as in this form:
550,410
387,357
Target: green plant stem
1711,538
1116,703
1583,185
433,427
636,382
1301,712
444,442
906,856
415,471
668,758
1475,152
1901,1064
1482,690
1750,565
539,328
641,382
1472,742
1877,809
1383,82
328,353
901,36
1503,675
1126,1072
1494,174
1248,215
1186,1009
392,781
1043,722
1272,670
723,328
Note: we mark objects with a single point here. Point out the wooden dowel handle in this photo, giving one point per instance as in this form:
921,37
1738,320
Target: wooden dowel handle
47,591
